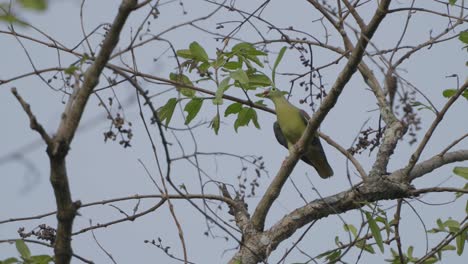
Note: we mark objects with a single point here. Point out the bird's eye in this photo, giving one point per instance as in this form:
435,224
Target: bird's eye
273,89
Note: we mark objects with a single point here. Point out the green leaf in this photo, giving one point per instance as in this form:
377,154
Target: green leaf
260,102
440,224
187,92
448,248
277,61
461,171
41,259
242,47
463,37
38,5
337,241
350,228
223,86
254,118
198,52
84,58
71,69
11,18
240,76
192,108
183,79
185,53
259,80
165,112
219,62
451,92
244,117
245,48
234,108
431,260
232,65
460,241
409,252
23,249
422,106
334,255
384,221
254,59
452,225
460,194
452,2
10,261
215,123
203,68
362,245
375,231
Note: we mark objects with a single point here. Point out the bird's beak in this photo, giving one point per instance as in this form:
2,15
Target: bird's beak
265,94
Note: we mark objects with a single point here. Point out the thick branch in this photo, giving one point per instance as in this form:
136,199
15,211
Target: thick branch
58,149
392,188
335,204
394,129
273,191
431,164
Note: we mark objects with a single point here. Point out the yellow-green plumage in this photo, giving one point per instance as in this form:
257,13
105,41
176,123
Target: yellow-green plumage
288,130
289,119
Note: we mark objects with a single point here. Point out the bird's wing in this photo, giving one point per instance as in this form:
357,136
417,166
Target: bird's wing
315,155
279,134
315,140
305,116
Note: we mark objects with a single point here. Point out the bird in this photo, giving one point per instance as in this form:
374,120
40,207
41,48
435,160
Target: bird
289,127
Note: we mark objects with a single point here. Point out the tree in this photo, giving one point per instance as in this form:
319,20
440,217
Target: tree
347,62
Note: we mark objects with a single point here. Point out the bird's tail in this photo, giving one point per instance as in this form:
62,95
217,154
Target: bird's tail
316,157
323,168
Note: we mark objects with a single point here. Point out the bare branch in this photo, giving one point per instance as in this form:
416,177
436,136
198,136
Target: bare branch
346,153
34,124
453,144
438,189
415,157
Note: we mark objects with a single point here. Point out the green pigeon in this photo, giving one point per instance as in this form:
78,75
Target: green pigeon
289,128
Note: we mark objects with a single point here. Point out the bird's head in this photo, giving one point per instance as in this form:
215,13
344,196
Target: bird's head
273,93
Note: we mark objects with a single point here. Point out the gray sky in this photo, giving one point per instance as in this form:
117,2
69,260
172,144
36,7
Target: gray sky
99,170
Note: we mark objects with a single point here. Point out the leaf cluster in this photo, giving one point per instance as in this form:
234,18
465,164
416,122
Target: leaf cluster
237,68
26,257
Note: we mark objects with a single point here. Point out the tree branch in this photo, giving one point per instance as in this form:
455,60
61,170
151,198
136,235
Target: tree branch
431,164
58,149
34,124
393,187
415,157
